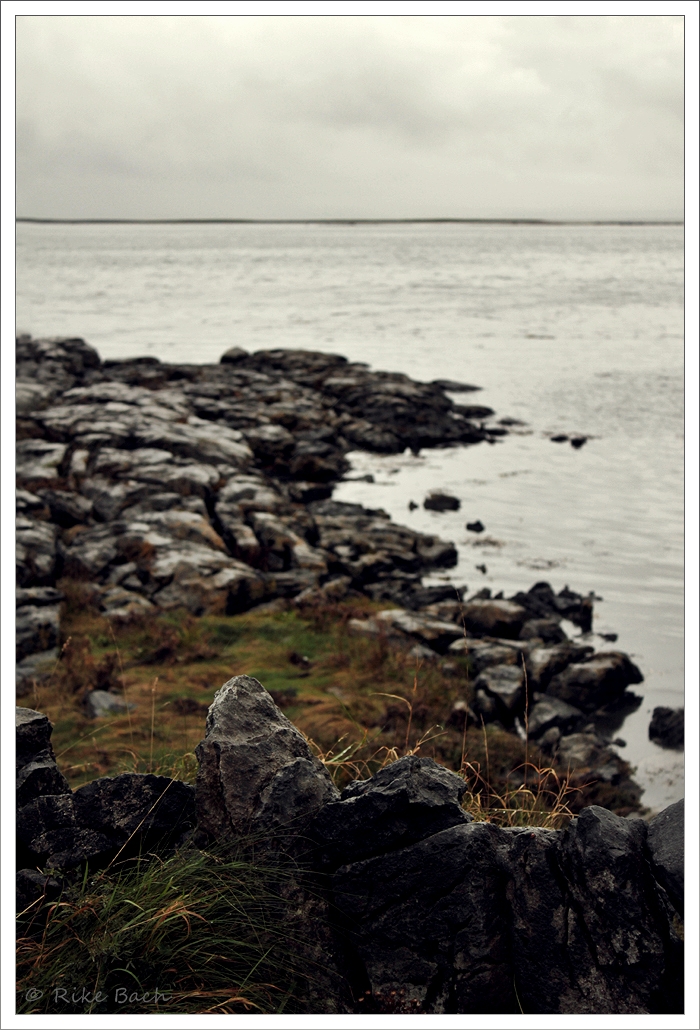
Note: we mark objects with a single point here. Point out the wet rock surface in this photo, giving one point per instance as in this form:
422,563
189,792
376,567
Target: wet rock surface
122,815
667,727
256,770
207,487
666,846
419,909
36,771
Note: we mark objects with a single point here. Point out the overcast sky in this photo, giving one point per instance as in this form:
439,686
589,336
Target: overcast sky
322,117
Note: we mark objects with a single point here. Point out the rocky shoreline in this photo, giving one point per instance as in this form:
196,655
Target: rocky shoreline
209,488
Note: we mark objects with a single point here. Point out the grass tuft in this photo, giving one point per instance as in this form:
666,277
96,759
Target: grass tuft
212,932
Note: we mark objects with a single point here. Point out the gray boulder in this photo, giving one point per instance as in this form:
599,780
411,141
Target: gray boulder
39,461
34,666
665,840
256,770
35,547
600,680
667,727
549,712
545,662
100,703
505,683
431,632
37,773
410,799
482,920
495,618
36,629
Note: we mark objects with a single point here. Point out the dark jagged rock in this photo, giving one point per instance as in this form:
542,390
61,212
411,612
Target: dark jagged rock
541,602
477,919
494,618
256,771
33,889
32,734
122,815
411,799
610,946
667,727
666,846
37,772
62,829
439,501
429,925
40,776
599,680
151,810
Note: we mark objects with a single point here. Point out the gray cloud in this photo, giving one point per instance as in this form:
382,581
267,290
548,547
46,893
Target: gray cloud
359,117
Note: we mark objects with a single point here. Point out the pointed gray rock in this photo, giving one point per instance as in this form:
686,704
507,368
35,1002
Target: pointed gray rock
256,770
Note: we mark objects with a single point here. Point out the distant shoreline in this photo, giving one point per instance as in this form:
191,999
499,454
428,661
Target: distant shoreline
337,221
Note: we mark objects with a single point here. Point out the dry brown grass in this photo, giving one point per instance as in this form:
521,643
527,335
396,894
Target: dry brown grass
363,701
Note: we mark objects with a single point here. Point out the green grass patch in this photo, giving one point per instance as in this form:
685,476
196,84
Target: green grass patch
364,698
209,932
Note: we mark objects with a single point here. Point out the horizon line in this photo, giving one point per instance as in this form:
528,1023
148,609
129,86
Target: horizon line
347,221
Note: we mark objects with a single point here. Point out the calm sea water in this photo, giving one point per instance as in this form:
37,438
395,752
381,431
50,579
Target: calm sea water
574,329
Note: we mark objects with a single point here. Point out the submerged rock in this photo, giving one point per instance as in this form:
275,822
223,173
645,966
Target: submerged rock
439,501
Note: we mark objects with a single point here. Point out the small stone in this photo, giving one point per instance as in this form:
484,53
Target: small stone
101,703
439,501
233,356
667,727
